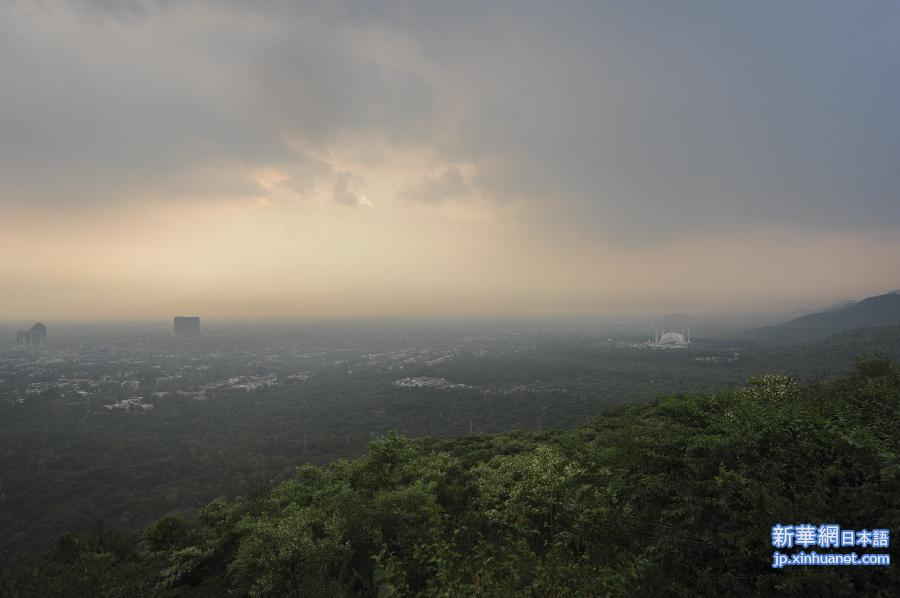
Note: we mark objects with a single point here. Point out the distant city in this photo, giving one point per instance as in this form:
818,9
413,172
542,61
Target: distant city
664,338
145,419
35,336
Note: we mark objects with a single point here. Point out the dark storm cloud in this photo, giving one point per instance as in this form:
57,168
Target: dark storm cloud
318,90
648,120
635,119
109,102
96,109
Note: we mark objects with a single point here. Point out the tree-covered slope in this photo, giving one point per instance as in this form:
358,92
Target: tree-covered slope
673,498
881,310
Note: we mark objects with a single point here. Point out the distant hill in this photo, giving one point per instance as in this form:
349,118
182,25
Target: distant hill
881,310
805,311
841,305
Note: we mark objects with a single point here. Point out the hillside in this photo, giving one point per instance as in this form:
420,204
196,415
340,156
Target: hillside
881,310
69,461
673,498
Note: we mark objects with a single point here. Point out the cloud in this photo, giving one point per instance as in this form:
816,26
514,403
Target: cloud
436,190
342,190
609,154
145,99
622,119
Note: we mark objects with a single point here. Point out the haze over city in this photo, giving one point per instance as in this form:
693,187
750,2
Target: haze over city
356,298
273,159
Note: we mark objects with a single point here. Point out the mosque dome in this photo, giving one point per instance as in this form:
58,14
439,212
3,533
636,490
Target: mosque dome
671,338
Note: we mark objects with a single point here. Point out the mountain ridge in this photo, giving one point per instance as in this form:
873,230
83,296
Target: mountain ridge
875,311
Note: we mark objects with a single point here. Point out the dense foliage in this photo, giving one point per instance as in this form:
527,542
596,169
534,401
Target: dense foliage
672,498
67,461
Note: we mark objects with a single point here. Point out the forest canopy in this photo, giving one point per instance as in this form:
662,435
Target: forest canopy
676,497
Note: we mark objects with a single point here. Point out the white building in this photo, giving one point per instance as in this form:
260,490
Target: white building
670,339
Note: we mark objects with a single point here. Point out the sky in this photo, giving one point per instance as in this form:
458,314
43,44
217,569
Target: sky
268,159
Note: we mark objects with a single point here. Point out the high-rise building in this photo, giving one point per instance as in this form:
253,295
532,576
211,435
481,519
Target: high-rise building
33,337
187,325
38,335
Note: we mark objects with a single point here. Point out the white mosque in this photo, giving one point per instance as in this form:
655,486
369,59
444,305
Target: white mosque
670,339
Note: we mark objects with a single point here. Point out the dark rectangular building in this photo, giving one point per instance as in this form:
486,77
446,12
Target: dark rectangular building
187,325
